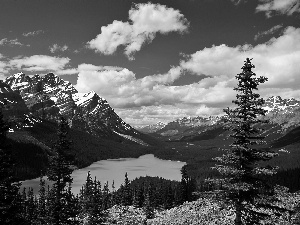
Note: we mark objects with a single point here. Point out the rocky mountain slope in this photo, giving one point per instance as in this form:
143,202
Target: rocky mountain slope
49,97
151,128
34,104
283,114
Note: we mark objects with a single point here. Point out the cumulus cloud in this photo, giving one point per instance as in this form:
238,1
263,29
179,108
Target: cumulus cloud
146,20
121,86
56,48
12,42
123,90
155,98
39,63
278,59
33,33
268,32
287,7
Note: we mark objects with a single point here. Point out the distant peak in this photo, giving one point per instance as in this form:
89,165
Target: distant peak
16,75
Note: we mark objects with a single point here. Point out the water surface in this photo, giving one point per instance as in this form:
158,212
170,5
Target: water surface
114,170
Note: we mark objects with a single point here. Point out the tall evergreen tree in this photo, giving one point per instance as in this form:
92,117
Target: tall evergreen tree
59,171
126,192
240,165
9,197
148,206
42,214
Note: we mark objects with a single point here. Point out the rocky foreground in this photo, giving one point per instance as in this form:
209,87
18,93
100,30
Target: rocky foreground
205,210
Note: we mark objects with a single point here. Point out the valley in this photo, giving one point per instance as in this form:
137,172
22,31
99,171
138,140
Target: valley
33,104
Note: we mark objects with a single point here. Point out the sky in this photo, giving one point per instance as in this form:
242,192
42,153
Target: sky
155,60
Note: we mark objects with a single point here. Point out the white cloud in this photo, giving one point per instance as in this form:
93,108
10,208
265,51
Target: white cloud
278,59
155,98
33,33
268,32
39,63
152,114
287,7
123,90
56,48
11,42
146,20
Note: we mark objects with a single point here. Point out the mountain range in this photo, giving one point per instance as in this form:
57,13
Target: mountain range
283,116
49,97
34,104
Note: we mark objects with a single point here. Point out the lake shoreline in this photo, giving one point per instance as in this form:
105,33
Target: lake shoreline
114,170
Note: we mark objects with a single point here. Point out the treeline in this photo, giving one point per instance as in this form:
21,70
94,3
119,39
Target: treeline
200,160
158,192
90,205
58,205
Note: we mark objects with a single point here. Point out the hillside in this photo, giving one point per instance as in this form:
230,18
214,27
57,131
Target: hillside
33,105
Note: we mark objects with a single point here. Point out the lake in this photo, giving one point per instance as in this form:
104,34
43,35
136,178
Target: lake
114,170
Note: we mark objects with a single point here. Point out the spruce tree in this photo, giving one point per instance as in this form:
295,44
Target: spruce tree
148,207
42,206
241,164
126,192
10,200
59,171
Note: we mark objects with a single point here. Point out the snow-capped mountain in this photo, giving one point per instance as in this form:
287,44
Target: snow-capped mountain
276,103
284,115
50,97
151,128
284,112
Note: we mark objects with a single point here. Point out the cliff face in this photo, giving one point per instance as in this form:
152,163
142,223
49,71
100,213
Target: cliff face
50,97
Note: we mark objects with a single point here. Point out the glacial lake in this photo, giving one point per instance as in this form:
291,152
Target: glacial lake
114,170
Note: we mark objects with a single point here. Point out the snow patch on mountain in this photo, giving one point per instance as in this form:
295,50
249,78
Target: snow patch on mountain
139,141
50,97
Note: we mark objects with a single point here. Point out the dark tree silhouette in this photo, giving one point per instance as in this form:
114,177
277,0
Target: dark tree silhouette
59,171
126,192
10,200
240,165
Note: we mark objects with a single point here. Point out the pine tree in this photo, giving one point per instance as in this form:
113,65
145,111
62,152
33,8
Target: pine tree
113,193
240,165
73,208
187,186
31,204
148,206
59,171
87,196
92,201
126,192
10,200
42,206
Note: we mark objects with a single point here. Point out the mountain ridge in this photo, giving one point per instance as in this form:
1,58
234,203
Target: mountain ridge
283,116
50,97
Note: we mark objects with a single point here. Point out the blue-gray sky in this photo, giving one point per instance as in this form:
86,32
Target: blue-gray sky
154,60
